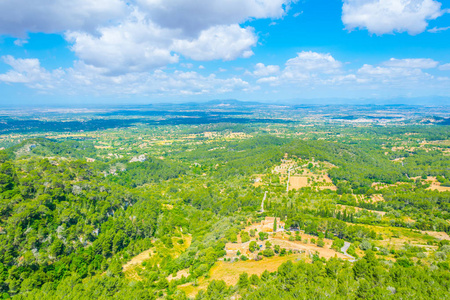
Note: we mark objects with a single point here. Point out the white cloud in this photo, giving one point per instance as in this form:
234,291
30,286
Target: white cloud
310,62
119,36
85,79
438,29
195,16
218,42
23,70
310,70
445,67
388,16
388,76
271,80
17,17
306,72
420,63
306,68
138,45
263,70
20,42
133,46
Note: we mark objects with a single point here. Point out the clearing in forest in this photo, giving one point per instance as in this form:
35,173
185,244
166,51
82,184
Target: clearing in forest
282,239
305,173
396,237
230,271
298,182
438,235
436,185
130,267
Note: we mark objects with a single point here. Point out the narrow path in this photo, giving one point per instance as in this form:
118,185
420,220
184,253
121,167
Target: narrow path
289,177
344,250
262,202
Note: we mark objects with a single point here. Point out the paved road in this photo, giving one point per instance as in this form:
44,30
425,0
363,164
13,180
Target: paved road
262,202
344,250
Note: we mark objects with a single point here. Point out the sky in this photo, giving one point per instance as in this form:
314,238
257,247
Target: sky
60,52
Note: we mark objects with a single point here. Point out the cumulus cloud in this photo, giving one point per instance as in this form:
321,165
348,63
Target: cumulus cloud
307,67
135,45
299,74
139,45
308,63
419,63
52,16
84,79
393,76
388,16
118,36
312,70
195,16
218,42
23,70
263,70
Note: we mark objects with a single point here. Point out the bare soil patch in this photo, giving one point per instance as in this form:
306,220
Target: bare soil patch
297,182
138,259
438,235
180,274
230,271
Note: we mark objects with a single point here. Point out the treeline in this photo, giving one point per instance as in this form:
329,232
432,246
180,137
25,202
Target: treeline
368,278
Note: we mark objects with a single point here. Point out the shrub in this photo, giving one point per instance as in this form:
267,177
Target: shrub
365,245
320,242
268,253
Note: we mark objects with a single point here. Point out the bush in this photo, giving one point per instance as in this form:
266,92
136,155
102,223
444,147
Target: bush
276,248
440,255
320,242
268,253
253,246
337,244
384,251
365,245
263,236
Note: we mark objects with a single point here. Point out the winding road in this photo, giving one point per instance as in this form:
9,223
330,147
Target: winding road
344,250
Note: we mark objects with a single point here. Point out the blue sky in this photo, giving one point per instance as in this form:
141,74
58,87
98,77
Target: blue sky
144,51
